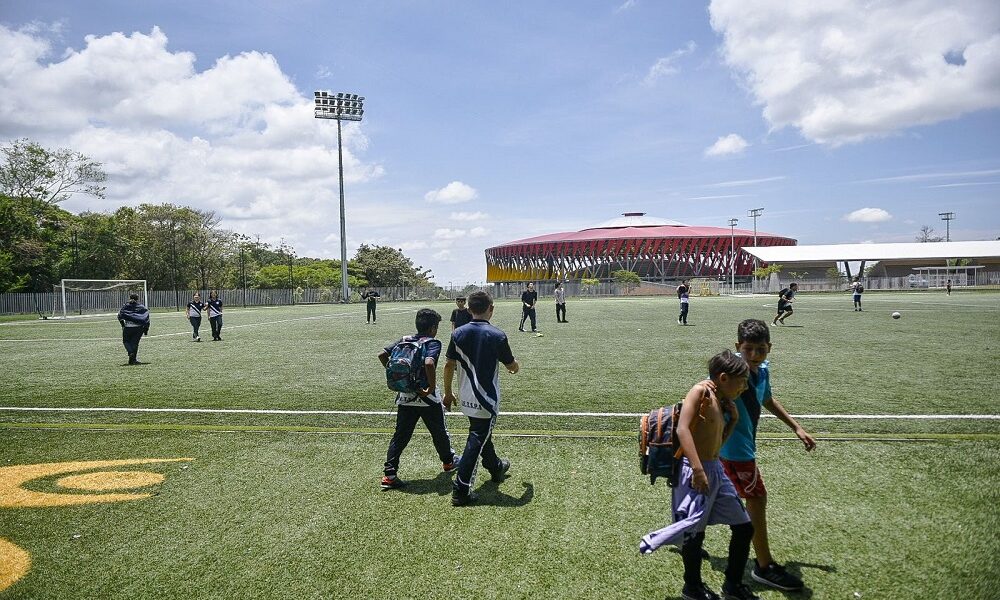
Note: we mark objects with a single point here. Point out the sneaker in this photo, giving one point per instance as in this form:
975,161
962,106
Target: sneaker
197,338
738,592
775,575
699,592
678,321
500,473
534,331
521,329
448,467
392,483
463,499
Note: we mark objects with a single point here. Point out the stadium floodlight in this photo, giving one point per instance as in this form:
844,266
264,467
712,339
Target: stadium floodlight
755,212
340,107
732,254
947,217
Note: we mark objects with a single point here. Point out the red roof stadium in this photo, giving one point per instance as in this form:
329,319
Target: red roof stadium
654,248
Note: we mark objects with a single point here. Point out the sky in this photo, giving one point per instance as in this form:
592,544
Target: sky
487,122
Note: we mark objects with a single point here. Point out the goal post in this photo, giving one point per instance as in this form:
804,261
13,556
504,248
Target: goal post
81,297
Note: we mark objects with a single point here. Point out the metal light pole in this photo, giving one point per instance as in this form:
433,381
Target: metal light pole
732,254
947,217
755,212
340,107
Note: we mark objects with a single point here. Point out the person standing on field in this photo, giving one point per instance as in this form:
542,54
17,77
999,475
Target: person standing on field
194,308
134,319
372,297
528,299
684,295
460,315
560,303
215,316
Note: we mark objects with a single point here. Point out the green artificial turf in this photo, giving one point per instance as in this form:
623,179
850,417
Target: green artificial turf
280,515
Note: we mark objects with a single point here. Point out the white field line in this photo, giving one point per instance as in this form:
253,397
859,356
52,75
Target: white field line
227,327
275,411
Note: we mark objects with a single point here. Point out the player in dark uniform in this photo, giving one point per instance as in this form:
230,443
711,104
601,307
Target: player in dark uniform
461,315
372,297
785,298
194,308
528,299
215,315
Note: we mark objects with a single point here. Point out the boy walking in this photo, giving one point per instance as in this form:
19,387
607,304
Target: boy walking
528,299
560,303
134,319
215,316
424,404
704,495
785,298
476,349
460,315
194,308
739,452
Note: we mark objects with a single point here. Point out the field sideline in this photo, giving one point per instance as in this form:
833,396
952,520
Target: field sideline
287,420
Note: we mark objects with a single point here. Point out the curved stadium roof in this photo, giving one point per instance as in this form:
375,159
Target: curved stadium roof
653,247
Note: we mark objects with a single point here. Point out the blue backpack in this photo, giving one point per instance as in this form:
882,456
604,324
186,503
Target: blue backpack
406,361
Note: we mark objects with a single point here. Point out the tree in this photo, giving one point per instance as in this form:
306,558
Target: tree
765,272
834,275
798,274
45,176
628,280
384,266
927,235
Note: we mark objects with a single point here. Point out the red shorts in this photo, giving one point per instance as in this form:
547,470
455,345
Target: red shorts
746,477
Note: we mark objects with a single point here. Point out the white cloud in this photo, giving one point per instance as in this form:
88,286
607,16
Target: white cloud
445,233
667,65
627,5
417,245
742,182
478,232
868,215
443,255
453,193
730,144
847,70
236,138
469,216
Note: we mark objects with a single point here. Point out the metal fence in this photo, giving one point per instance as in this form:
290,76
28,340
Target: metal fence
98,302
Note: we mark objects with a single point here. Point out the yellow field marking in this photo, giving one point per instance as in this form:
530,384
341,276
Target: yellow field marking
14,564
12,495
103,481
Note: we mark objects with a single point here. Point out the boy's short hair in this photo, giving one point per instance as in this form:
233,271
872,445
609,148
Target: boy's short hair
793,285
754,331
426,320
133,297
480,302
460,299
727,362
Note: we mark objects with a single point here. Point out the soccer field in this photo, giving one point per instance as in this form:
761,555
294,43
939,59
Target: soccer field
287,420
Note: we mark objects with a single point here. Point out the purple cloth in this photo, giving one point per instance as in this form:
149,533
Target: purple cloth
693,511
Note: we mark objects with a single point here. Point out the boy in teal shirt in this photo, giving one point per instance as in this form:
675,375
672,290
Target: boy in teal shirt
739,452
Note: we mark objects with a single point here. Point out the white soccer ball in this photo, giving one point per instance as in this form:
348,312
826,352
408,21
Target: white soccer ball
896,315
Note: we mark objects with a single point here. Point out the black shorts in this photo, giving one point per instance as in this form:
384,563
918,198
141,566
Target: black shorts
784,306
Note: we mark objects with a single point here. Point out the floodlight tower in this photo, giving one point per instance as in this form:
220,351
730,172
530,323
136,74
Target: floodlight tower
947,217
755,212
732,254
340,107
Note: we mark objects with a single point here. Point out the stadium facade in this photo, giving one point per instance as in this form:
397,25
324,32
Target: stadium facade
654,248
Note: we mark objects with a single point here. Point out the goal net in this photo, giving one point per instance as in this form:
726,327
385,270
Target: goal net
82,297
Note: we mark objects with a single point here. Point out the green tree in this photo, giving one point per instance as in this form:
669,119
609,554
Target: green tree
45,176
627,280
765,272
386,266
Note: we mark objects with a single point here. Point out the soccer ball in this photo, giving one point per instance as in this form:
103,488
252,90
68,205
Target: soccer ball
896,315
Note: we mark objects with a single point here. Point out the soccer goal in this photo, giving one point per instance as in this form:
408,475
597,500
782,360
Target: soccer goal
89,297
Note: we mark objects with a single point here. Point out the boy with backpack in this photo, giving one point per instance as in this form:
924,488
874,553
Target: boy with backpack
704,495
739,452
476,349
411,371
858,289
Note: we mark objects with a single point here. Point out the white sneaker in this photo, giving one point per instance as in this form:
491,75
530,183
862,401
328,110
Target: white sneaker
197,339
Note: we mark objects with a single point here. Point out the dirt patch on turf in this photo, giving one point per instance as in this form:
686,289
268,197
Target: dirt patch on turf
14,564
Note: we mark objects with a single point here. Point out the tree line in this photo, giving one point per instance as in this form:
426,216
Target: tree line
169,245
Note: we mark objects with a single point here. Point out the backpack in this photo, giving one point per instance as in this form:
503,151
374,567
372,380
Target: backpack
781,294
660,450
859,288
402,372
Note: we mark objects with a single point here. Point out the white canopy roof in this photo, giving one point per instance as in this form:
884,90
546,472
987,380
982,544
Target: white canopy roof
842,252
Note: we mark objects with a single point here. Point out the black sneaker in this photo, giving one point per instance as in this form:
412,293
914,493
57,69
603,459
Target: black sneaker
500,473
775,575
521,329
449,467
738,592
463,499
392,483
699,592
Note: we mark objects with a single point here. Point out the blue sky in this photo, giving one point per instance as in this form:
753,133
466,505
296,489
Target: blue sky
488,122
